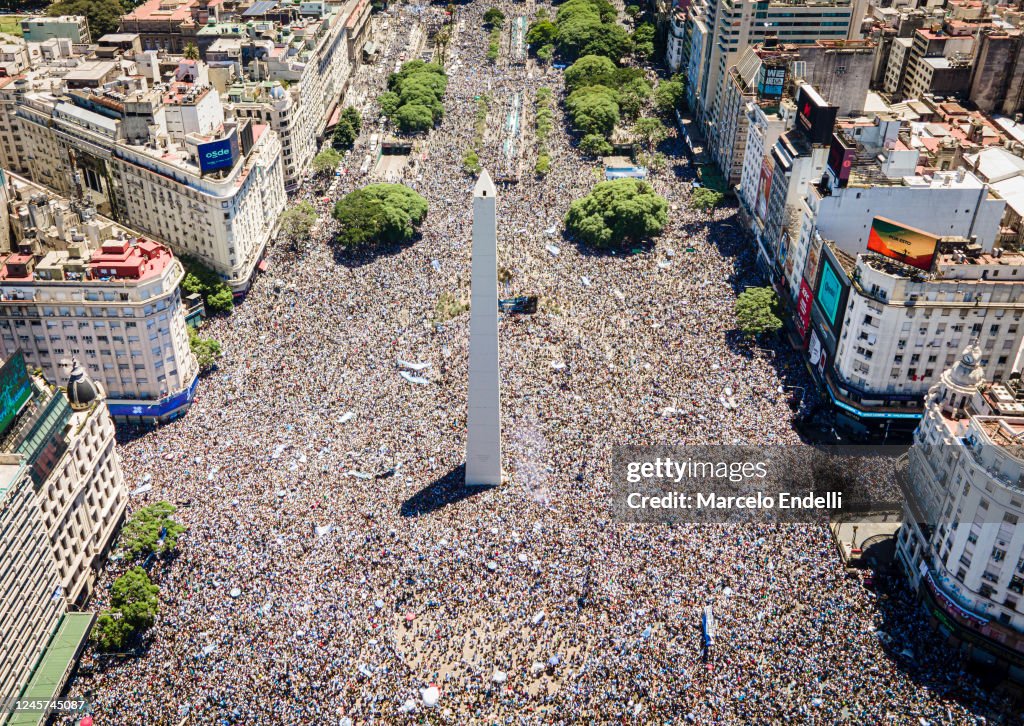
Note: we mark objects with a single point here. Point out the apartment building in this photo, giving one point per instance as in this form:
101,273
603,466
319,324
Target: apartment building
961,543
62,496
73,27
74,284
160,161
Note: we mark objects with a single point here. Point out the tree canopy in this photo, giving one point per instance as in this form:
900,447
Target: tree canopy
379,213
593,109
591,70
705,199
206,350
650,130
541,33
346,131
643,40
595,145
326,161
756,311
151,529
414,97
494,16
134,603
617,211
297,221
588,27
199,278
104,16
669,96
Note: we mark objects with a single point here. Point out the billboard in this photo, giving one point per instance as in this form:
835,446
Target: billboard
15,389
840,160
771,81
764,188
814,116
910,246
830,295
803,309
219,154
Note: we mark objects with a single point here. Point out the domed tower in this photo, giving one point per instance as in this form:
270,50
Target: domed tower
81,390
958,384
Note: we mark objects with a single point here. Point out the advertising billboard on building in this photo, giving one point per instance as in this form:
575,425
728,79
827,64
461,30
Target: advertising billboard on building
771,81
803,309
814,116
910,246
840,160
830,292
15,389
219,154
764,188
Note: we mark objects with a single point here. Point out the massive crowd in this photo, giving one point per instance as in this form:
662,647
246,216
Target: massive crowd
333,572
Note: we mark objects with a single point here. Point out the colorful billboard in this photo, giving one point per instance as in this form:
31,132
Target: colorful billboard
830,292
771,81
803,309
910,246
840,160
15,389
220,154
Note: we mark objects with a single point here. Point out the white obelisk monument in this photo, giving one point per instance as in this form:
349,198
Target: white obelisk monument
483,449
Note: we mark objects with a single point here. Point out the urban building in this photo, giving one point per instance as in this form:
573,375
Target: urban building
675,49
840,70
961,543
73,27
932,61
1002,168
722,29
170,25
886,325
74,284
62,497
161,160
997,77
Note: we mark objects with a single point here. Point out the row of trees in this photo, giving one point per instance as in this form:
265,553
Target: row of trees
134,599
414,96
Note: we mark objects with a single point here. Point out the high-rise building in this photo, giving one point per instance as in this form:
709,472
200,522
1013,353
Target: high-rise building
961,544
722,29
62,496
73,27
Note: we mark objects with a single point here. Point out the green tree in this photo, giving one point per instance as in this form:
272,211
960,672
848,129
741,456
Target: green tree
354,118
593,109
541,33
191,51
591,70
414,118
543,165
643,41
206,350
633,11
651,131
297,221
143,532
344,136
493,16
379,213
104,16
199,278
134,602
471,163
389,103
326,161
705,199
756,312
669,96
622,210
545,53
633,97
595,145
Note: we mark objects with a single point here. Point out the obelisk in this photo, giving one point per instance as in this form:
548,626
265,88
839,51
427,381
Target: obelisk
483,448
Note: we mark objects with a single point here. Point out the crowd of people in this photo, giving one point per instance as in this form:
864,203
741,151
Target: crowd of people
333,570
